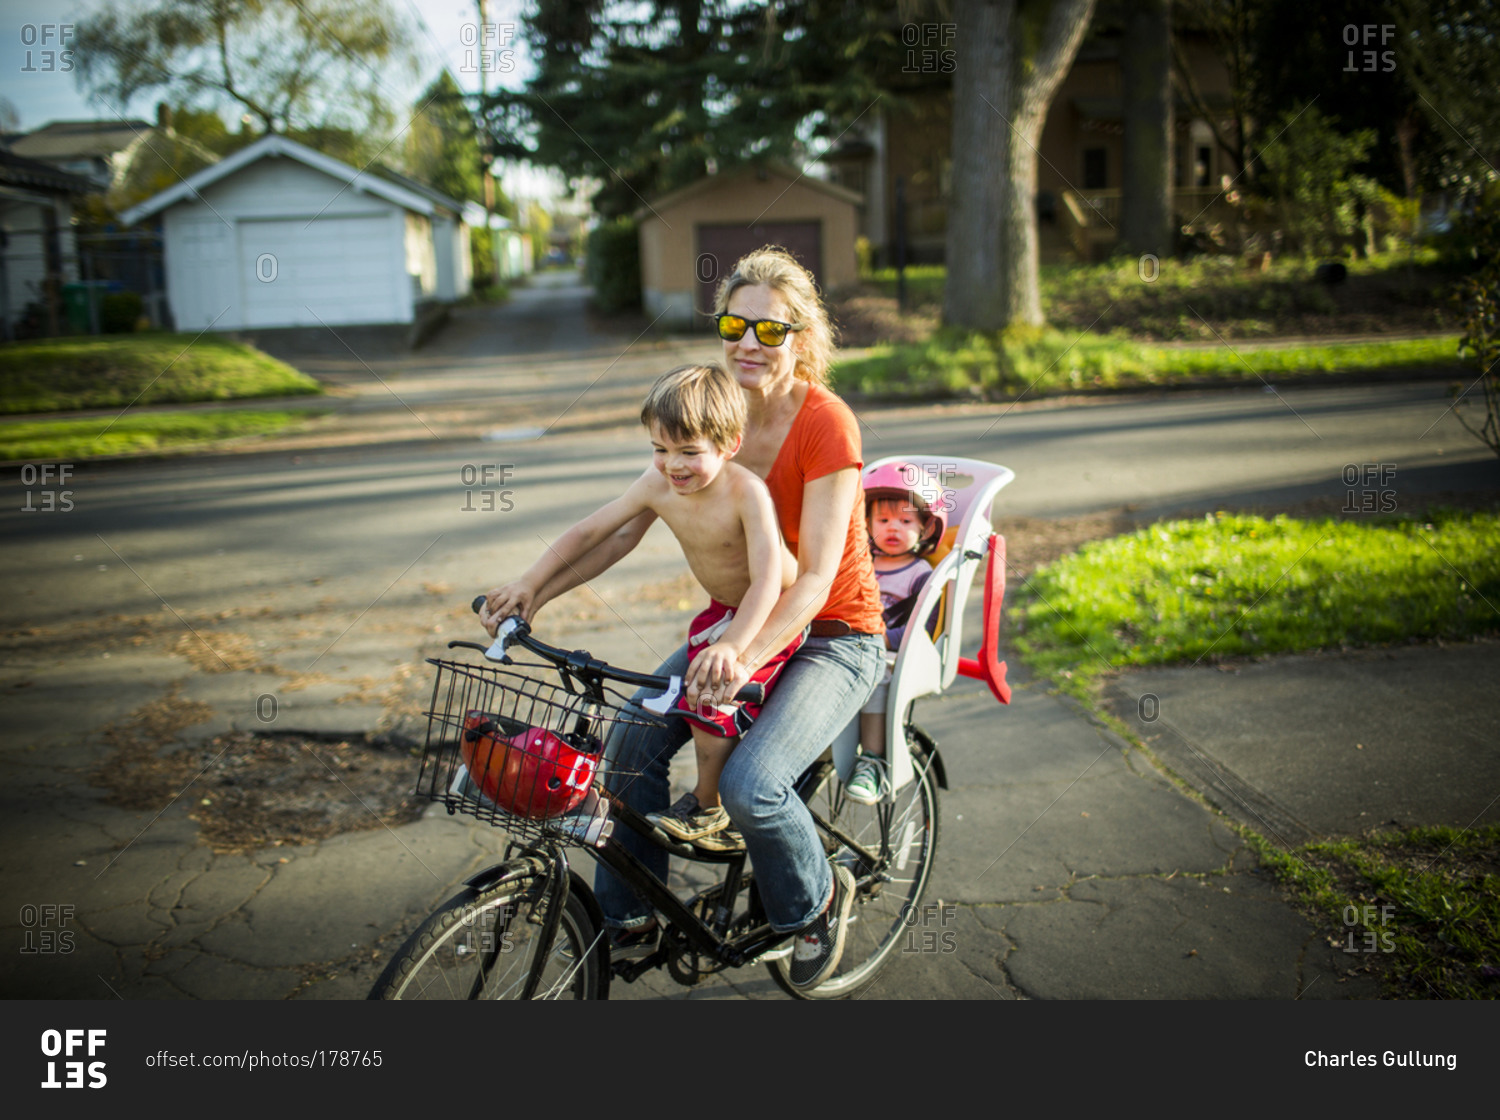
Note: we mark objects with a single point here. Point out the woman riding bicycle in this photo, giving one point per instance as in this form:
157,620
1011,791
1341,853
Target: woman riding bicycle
804,442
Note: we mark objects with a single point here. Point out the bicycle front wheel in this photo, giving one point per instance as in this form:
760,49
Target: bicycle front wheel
484,944
899,841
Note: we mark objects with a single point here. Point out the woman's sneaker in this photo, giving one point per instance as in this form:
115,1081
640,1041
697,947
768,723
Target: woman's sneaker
817,950
687,820
868,784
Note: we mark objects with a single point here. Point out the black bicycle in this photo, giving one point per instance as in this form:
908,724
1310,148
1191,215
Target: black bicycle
532,737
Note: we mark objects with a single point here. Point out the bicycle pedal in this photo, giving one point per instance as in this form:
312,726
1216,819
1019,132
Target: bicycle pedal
727,841
773,955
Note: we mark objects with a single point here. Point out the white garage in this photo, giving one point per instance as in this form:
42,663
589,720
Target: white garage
278,235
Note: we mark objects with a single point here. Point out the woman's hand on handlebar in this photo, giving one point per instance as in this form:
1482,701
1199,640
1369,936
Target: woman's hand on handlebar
508,599
715,675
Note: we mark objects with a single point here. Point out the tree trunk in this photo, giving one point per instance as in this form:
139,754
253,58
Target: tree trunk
1012,55
1146,81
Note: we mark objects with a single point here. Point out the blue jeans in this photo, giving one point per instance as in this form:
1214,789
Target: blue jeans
820,690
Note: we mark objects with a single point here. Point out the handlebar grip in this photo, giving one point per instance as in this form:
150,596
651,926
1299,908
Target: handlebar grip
478,602
752,693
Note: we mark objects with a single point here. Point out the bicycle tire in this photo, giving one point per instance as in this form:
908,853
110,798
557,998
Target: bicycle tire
444,958
881,909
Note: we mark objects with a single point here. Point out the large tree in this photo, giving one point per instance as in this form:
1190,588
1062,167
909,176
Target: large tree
648,96
1146,83
1012,56
287,65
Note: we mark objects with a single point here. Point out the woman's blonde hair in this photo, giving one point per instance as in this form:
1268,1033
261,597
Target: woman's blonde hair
697,402
773,267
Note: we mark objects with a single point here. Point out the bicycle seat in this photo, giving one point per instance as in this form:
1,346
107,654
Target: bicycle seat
929,657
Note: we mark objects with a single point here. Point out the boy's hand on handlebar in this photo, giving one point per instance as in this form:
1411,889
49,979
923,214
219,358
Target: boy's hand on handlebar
506,600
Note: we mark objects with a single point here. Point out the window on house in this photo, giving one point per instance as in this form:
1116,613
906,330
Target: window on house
1095,169
1202,165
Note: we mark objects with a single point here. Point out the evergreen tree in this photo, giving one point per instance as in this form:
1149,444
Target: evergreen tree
647,97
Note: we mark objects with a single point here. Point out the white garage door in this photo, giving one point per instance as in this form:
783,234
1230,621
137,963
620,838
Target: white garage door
331,270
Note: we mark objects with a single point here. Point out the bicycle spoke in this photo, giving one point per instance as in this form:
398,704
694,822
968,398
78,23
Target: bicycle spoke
555,992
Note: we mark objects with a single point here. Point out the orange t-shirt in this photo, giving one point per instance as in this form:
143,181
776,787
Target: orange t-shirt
825,438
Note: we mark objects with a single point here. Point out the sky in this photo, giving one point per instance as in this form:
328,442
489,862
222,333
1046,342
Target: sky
444,32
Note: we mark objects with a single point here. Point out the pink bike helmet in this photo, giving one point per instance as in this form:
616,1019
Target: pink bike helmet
915,485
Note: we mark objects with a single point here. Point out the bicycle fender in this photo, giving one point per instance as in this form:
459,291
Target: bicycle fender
504,873
939,771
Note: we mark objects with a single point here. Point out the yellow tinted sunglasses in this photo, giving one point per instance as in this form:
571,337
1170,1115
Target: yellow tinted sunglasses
768,332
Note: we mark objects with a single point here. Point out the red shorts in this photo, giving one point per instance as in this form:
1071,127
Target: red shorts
729,719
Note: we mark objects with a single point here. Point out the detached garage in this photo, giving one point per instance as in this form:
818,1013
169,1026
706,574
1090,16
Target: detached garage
278,235
691,238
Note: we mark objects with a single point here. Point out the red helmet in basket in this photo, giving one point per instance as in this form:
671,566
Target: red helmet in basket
536,774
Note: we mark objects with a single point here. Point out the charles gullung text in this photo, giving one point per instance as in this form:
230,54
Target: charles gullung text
1404,1059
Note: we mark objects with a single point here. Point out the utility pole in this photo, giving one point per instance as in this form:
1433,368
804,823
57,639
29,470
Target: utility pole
486,181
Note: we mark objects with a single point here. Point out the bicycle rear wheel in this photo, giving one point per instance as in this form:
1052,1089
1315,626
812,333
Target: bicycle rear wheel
901,838
482,944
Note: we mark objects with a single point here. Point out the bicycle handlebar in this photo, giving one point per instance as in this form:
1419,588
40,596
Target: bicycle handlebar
582,664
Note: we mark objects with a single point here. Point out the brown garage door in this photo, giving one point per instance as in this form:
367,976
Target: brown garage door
719,246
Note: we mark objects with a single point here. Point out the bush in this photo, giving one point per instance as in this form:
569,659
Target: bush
119,312
1320,202
614,265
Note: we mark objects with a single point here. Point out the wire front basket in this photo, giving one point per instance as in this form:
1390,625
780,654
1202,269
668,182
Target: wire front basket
525,755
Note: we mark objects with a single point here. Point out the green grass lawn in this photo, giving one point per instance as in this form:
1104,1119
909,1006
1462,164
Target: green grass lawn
1427,901
139,433
1231,585
64,374
1033,363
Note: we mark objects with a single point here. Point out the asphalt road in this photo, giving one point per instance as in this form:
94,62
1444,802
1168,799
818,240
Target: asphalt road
218,532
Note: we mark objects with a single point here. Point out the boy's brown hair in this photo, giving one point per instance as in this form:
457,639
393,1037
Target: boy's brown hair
697,402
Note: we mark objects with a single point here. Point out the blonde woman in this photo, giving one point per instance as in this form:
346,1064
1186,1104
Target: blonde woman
804,442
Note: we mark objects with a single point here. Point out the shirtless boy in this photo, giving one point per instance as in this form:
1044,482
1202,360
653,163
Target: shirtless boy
722,516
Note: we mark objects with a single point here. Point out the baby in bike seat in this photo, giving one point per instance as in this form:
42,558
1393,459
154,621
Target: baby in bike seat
905,510
723,517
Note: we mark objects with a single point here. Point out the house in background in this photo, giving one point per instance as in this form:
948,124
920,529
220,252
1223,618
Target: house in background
690,238
279,235
99,151
1079,173
38,252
